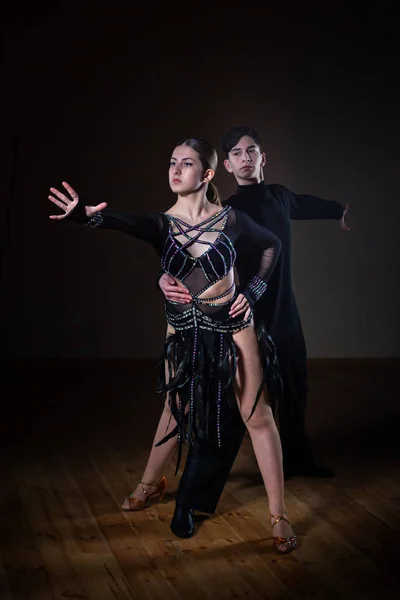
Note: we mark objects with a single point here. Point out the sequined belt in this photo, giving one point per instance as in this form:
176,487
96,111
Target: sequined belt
194,317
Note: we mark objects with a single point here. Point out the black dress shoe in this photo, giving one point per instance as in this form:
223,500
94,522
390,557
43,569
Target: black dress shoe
310,468
182,524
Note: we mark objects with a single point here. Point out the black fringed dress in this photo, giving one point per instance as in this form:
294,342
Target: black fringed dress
198,364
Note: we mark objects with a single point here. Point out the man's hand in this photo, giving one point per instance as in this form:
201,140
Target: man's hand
342,221
174,290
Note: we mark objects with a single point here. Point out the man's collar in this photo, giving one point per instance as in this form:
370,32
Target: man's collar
251,188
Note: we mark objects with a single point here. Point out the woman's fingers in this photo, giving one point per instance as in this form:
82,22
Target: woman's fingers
61,205
63,201
61,196
70,190
57,217
58,202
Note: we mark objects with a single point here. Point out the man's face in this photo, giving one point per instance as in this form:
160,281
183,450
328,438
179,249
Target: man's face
245,161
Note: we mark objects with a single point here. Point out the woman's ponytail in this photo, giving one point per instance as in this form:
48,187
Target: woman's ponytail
213,194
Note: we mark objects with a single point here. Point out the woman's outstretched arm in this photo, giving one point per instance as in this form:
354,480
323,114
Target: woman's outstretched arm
149,227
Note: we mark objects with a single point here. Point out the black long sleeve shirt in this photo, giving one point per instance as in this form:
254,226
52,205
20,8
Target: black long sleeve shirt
272,206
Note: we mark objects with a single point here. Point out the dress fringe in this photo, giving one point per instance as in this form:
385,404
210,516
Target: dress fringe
197,371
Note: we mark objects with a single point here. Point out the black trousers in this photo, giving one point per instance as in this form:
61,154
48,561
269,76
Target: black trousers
207,466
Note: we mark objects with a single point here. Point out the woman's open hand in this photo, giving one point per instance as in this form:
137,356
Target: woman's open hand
68,203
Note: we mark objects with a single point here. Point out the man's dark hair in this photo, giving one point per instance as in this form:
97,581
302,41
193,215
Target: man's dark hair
233,136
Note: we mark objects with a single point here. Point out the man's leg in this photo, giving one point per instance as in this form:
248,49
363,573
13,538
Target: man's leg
207,467
205,473
298,456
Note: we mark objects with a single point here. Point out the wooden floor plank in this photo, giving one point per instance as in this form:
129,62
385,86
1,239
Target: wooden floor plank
63,534
43,514
176,560
23,564
227,567
355,542
383,508
137,541
99,572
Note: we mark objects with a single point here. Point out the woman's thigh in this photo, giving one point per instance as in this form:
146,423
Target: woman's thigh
249,377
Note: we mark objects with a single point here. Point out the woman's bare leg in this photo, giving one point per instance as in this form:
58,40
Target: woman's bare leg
159,455
261,426
158,458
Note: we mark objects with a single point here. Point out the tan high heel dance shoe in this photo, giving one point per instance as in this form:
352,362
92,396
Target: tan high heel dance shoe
135,504
290,542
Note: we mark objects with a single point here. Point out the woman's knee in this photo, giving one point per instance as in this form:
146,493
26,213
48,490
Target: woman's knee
262,418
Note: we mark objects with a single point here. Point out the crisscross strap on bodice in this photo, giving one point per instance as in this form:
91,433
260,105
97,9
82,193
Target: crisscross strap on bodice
199,270
209,225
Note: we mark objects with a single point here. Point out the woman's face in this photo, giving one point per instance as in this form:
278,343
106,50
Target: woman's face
186,173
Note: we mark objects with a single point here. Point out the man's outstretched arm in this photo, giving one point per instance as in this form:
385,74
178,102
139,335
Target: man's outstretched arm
305,206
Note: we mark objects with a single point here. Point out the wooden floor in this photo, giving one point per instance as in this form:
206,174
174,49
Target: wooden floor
74,442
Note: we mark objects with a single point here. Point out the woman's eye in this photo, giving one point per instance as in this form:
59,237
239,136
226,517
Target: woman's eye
188,164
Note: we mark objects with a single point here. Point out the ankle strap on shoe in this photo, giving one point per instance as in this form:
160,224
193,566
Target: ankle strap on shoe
142,483
278,518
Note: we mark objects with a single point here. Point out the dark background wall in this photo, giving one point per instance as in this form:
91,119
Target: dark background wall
98,97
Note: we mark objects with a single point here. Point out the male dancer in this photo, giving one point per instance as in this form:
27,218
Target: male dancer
272,206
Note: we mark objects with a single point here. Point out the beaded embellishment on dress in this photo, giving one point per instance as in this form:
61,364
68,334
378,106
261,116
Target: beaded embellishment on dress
206,268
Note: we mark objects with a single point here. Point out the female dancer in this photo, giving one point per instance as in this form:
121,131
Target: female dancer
212,354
